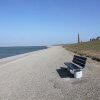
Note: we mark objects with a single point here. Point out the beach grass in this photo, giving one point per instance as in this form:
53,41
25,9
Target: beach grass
90,49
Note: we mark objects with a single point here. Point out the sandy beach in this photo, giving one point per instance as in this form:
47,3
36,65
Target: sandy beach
42,75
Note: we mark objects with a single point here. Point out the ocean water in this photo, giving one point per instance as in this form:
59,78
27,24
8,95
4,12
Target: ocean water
12,51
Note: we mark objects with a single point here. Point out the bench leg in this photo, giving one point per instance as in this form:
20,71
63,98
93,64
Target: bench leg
71,71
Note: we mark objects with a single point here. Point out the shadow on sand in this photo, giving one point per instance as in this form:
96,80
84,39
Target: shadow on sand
63,73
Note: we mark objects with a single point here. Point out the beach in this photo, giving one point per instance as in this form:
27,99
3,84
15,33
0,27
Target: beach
42,75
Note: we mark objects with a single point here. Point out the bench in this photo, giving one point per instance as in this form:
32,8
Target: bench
77,64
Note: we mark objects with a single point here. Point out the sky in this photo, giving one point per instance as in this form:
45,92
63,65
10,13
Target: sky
48,22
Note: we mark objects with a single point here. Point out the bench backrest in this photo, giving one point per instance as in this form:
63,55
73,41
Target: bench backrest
81,61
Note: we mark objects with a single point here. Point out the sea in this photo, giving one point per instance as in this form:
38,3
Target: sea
12,51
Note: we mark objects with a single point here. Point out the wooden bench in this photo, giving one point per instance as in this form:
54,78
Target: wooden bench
77,64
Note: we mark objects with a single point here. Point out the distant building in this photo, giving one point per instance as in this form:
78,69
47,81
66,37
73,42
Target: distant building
98,37
93,39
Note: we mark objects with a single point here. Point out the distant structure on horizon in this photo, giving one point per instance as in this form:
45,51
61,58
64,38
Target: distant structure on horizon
98,37
78,38
93,39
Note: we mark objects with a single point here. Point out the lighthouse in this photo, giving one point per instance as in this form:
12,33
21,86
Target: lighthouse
78,38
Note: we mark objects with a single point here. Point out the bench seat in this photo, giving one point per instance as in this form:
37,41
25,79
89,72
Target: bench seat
72,66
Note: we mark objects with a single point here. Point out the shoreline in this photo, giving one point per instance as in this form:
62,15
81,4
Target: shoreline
18,56
6,52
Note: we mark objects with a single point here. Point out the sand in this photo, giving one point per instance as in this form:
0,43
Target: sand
42,75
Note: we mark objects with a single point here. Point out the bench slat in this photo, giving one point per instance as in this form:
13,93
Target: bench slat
79,57
71,66
78,63
81,61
